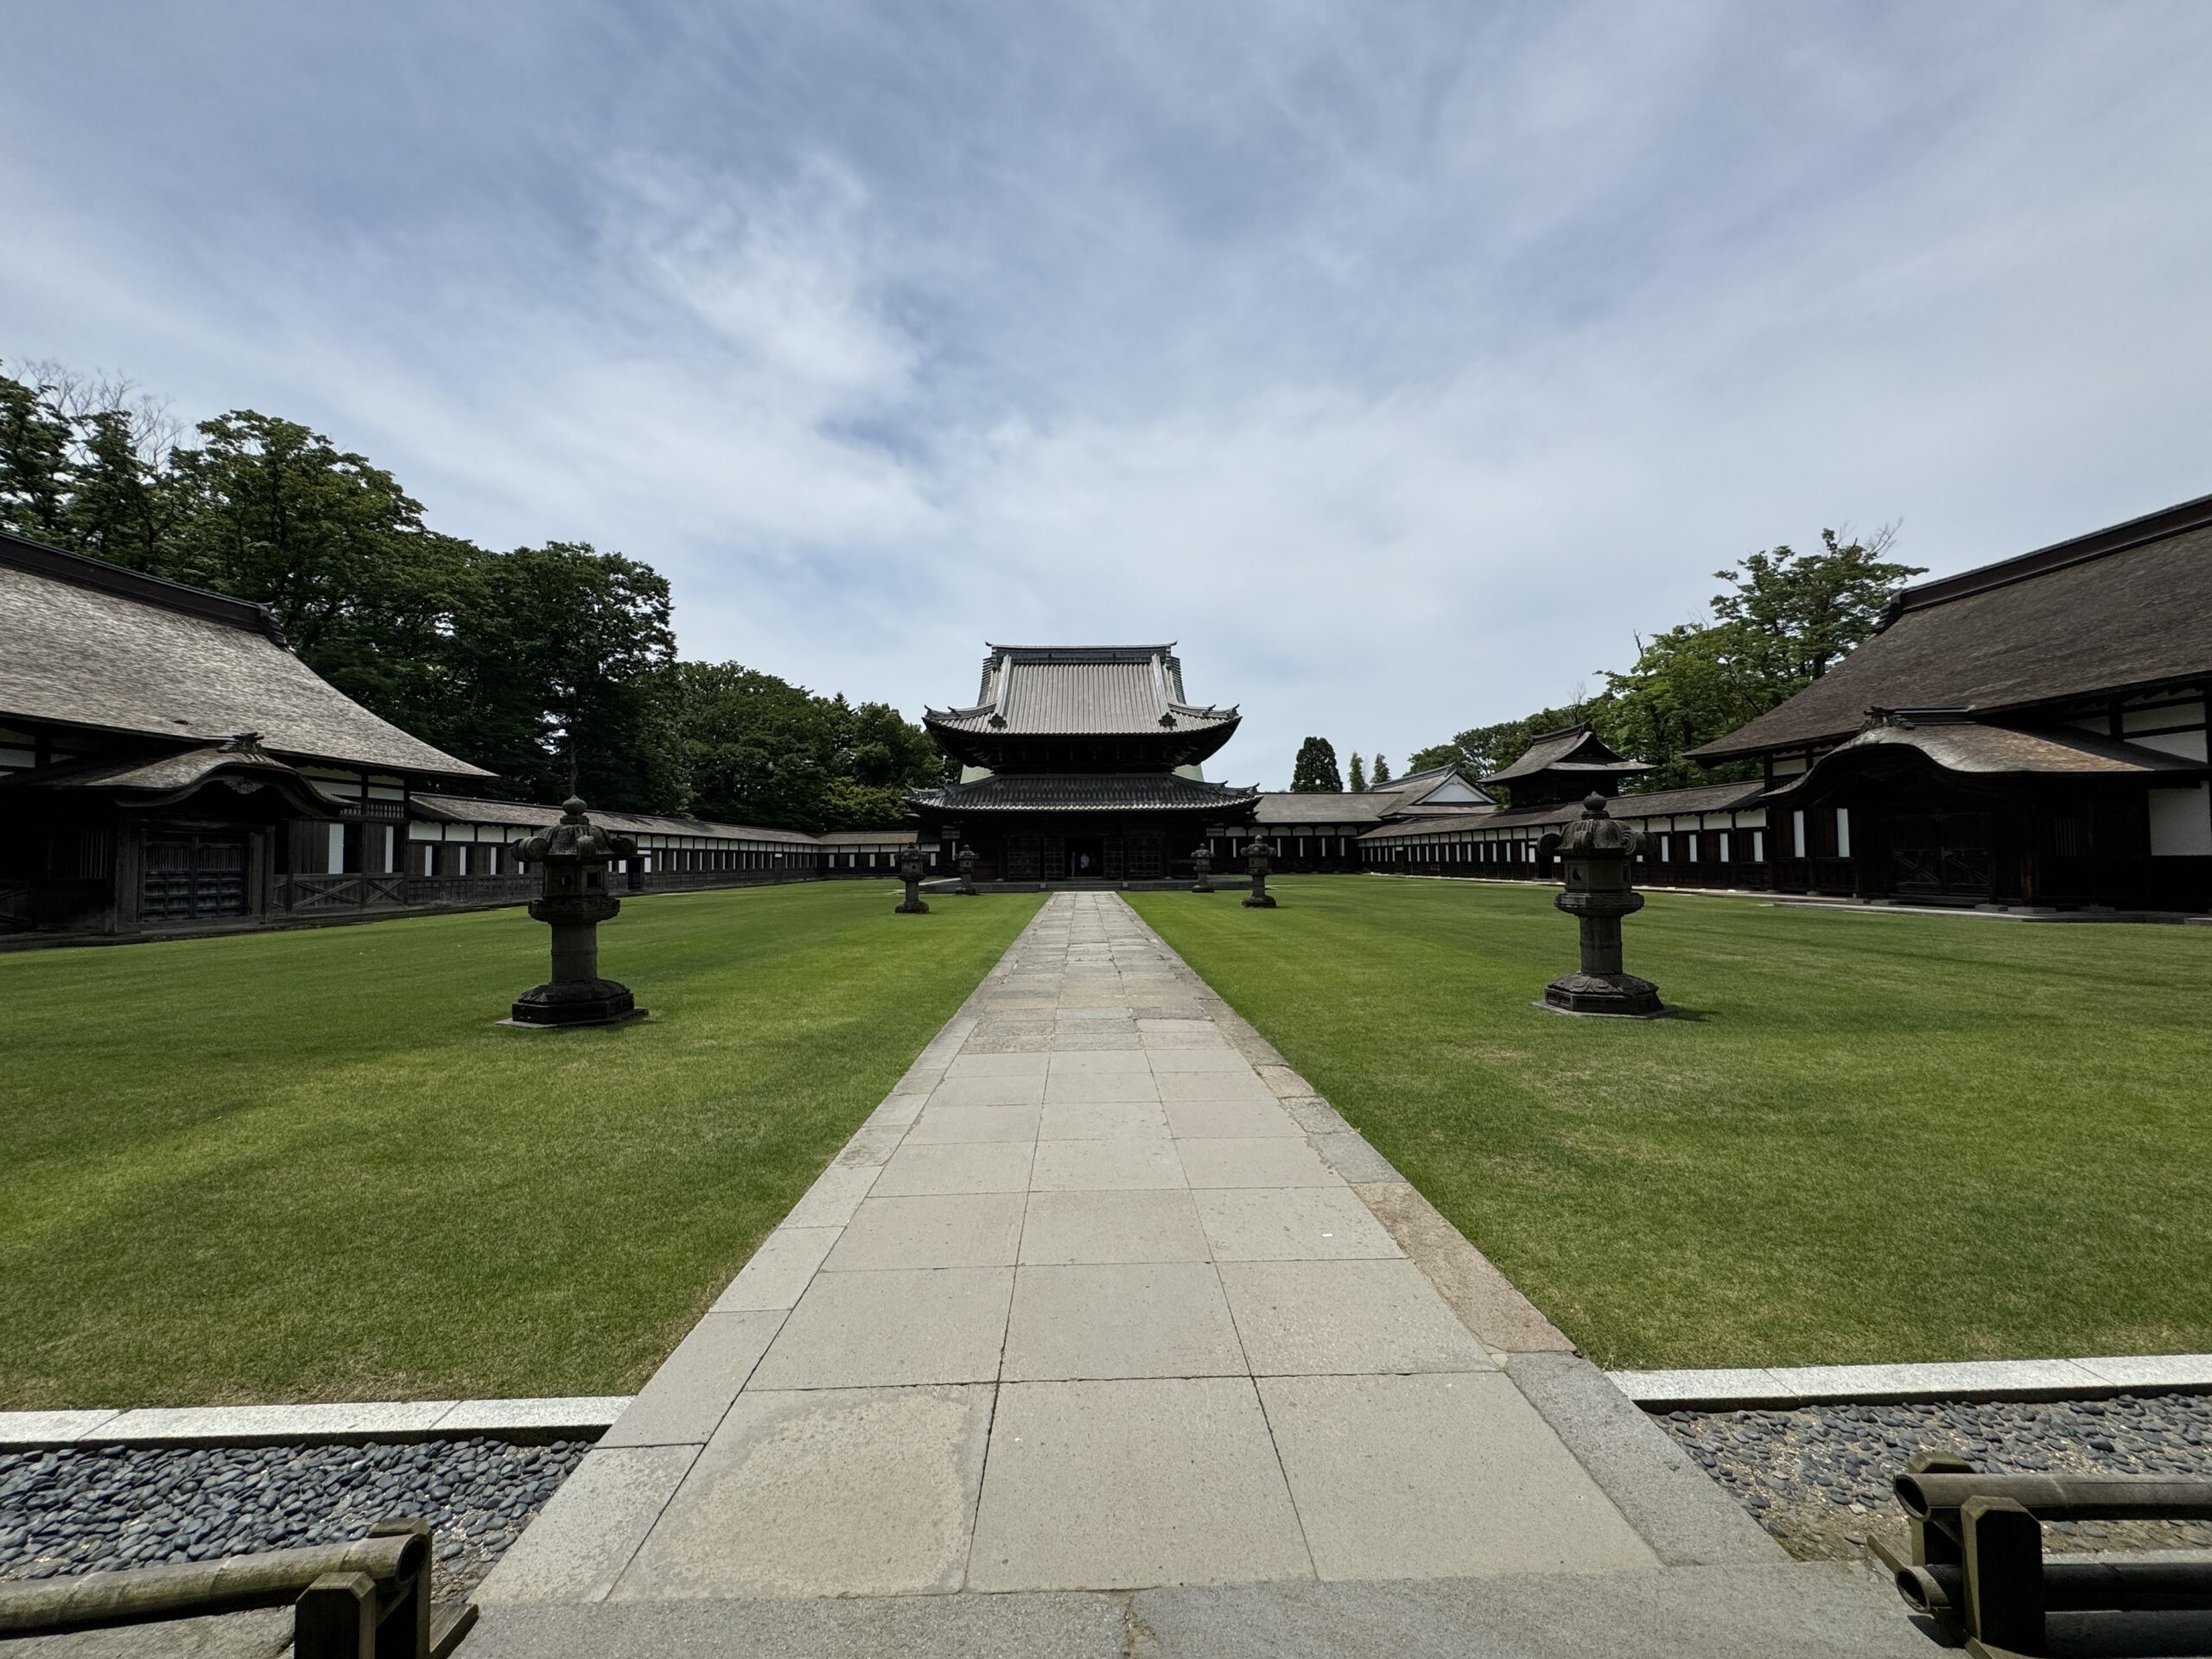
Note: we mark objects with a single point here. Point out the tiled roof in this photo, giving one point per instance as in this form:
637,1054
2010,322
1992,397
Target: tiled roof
465,809
1970,747
1366,807
1658,803
1081,691
1101,792
2120,608
87,643
1576,749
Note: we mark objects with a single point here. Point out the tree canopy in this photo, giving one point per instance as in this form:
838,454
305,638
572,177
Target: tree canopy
1358,774
1785,618
548,665
1315,772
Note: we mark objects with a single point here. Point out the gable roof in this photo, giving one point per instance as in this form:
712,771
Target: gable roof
2120,608
1328,806
530,815
91,645
1086,792
1419,789
1572,749
1082,692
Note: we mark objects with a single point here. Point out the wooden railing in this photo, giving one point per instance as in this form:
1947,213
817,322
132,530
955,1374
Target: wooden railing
309,894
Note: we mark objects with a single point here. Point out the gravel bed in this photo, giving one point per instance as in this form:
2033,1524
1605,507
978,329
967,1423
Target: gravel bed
1818,1478
91,1509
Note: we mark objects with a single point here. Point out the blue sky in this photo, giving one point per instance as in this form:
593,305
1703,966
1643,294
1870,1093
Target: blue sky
1401,360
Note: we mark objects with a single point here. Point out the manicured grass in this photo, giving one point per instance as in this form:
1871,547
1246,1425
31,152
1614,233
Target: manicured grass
309,1166
1874,1137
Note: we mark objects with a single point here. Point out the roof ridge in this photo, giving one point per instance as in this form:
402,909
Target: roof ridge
2178,519
43,559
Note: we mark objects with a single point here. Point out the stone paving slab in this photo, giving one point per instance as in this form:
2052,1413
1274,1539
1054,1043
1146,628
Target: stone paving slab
1807,1612
1077,1297
1339,1318
1121,1319
892,1328
1111,1485
849,1492
1438,1476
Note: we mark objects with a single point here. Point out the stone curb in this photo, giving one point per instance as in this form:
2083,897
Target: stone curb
1782,1388
1674,1507
573,1417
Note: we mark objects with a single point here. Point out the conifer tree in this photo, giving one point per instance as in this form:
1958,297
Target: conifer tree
1381,772
1358,774
1315,772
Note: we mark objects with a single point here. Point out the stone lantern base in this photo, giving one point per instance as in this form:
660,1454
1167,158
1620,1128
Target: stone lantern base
1259,901
1622,996
585,1002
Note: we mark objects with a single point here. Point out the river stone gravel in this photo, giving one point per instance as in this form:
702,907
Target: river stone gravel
1818,1478
92,1508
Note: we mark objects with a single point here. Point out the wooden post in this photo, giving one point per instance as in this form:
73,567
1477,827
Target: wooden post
2003,1577
336,1619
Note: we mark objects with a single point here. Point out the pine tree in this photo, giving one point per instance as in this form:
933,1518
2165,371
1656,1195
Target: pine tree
1315,772
1381,772
1358,774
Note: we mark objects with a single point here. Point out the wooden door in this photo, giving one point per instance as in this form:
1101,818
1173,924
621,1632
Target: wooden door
191,878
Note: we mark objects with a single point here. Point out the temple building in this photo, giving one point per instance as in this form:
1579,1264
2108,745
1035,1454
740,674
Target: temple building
167,766
1711,835
1081,763
2032,732
165,759
1326,833
2030,735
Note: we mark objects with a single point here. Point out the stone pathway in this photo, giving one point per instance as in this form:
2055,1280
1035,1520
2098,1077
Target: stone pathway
1101,1298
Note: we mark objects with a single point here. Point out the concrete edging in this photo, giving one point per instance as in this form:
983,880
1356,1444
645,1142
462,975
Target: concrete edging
1783,1388
526,1420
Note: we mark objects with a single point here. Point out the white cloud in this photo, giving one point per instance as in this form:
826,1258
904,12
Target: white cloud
1403,362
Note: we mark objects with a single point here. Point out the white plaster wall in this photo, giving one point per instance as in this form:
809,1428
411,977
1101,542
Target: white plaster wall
2181,822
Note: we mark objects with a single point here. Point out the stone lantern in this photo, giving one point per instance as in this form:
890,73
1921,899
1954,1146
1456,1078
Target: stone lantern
912,868
965,858
1594,855
1258,856
1202,865
573,900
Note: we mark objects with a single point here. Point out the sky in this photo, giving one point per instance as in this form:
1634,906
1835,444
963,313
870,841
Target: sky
1402,361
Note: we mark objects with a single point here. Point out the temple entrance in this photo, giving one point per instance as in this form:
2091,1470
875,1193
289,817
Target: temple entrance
1942,854
1084,858
192,878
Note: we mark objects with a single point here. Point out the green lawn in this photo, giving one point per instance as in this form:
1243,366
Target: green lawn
1874,1137
309,1166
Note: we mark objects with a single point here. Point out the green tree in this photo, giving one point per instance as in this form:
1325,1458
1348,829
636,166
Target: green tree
554,665
1315,772
757,749
269,511
1358,774
1481,750
1381,772
1689,685
33,461
1808,610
